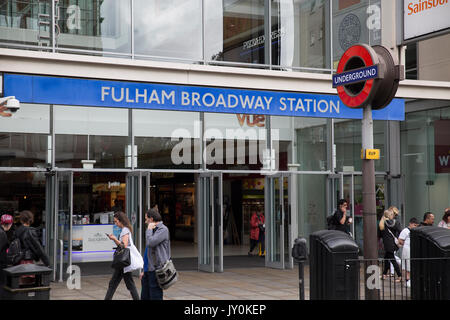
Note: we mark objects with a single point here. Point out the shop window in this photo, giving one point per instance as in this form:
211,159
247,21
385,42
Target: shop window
87,135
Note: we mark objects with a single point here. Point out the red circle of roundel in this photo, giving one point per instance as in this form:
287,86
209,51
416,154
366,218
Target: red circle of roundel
364,54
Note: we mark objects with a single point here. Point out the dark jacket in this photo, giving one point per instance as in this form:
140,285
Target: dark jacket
388,240
337,216
4,245
30,245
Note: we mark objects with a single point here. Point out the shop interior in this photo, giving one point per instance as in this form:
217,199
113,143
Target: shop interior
23,191
97,195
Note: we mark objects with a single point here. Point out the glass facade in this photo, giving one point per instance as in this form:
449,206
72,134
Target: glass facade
24,141
171,28
425,147
86,134
98,25
308,35
167,139
300,34
347,138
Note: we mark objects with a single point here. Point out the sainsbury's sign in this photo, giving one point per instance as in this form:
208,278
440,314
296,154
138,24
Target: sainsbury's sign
423,17
121,94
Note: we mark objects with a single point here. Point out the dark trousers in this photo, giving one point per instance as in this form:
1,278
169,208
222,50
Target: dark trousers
262,240
389,257
145,286
253,244
114,283
155,292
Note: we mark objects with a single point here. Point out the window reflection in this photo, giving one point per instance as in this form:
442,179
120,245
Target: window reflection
167,139
300,33
235,141
19,21
169,28
103,25
235,31
347,137
86,133
24,137
355,21
311,144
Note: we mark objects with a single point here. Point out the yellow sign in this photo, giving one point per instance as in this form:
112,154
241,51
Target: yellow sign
370,154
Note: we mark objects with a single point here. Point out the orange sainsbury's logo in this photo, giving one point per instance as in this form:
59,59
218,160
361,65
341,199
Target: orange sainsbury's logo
417,7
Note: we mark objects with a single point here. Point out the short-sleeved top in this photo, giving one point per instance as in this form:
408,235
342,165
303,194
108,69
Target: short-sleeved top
404,235
123,233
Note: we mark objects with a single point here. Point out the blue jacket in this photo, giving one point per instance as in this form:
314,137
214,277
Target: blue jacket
145,260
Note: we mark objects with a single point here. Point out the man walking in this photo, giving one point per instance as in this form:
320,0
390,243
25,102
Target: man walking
158,252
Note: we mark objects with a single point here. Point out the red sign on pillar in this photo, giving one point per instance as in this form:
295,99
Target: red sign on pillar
442,146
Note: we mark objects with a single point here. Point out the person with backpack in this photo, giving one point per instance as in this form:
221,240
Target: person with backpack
6,222
30,246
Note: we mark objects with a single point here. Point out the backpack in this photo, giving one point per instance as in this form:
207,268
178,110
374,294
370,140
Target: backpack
15,253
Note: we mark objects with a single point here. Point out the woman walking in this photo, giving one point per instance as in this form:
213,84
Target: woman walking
389,233
125,240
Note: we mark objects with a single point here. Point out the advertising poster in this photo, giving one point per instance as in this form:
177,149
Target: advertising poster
442,146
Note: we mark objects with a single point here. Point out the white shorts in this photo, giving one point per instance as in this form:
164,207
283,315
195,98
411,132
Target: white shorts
406,259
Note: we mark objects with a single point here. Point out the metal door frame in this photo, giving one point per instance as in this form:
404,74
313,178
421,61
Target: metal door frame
129,198
59,245
269,201
202,197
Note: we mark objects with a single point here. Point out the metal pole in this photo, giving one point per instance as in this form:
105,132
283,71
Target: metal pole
61,261
369,204
301,283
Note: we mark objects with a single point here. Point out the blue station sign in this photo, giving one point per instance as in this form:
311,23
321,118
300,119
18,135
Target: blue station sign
122,94
356,75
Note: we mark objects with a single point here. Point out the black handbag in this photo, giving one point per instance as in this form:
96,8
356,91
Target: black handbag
121,258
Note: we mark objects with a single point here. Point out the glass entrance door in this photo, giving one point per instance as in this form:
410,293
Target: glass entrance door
210,227
63,240
278,222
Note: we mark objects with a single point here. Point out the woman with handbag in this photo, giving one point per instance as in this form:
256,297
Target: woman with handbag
389,235
125,240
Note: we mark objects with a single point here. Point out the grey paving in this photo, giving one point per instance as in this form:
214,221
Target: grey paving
233,284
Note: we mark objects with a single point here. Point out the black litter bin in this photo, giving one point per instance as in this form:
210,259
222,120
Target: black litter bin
430,263
328,278
37,286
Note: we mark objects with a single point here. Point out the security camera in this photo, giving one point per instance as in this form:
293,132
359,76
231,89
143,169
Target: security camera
12,104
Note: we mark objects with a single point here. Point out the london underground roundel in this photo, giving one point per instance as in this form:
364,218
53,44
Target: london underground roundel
356,76
367,75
